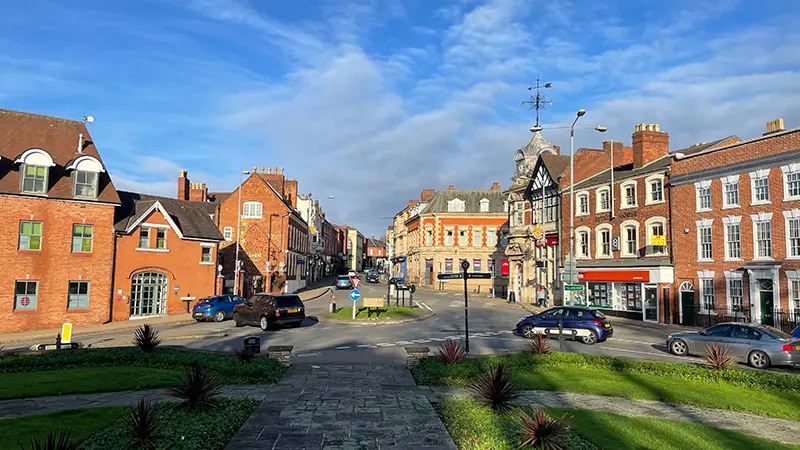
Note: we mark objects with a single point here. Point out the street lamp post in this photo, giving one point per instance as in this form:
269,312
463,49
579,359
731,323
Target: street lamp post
238,232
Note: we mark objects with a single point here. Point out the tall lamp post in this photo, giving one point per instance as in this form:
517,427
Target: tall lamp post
238,232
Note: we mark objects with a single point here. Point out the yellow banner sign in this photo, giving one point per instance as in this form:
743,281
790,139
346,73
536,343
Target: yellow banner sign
377,302
658,240
66,333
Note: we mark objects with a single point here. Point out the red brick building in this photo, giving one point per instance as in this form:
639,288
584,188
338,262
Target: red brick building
736,219
166,255
57,202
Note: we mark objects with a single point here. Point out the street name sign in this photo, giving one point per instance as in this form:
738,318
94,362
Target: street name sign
482,275
449,276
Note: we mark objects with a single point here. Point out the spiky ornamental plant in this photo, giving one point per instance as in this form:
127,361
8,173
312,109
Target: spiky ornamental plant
146,338
540,344
451,352
495,389
198,389
244,355
718,357
542,431
55,440
143,423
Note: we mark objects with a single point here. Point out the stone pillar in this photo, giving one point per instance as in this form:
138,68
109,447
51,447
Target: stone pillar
415,354
283,353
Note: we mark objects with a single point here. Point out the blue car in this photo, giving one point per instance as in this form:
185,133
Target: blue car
584,324
217,308
344,282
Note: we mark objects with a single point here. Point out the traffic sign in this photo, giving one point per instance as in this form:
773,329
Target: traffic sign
355,282
449,276
570,270
483,275
355,295
573,287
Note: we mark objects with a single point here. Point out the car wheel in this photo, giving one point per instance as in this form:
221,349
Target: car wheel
589,339
758,359
678,347
527,331
219,316
264,323
237,320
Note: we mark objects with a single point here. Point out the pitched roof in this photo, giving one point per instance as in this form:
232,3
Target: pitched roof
21,131
471,198
191,218
697,148
373,242
556,164
624,172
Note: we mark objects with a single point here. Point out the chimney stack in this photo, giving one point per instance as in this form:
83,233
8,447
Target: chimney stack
496,186
427,194
774,126
451,188
198,192
183,185
619,152
649,144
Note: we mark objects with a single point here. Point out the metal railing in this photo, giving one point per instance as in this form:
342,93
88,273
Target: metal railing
697,316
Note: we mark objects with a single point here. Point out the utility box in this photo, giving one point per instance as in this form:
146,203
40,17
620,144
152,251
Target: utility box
252,343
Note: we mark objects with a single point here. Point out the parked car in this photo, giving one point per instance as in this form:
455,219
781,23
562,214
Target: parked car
269,311
372,277
795,333
759,345
352,274
586,325
399,283
344,282
216,308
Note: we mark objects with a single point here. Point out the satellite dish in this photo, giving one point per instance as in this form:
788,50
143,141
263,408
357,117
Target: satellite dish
89,119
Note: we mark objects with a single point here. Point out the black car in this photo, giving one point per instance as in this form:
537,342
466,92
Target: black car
400,283
269,311
372,277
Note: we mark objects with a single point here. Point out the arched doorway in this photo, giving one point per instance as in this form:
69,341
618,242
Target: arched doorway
687,303
149,294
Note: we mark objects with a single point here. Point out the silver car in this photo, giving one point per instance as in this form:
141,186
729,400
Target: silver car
758,345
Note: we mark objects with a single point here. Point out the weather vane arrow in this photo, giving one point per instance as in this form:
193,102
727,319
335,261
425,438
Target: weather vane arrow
538,100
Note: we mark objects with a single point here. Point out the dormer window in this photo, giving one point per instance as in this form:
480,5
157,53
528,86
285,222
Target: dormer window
485,205
34,168
85,173
455,205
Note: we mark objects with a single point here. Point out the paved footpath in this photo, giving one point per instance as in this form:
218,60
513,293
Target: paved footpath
337,407
781,430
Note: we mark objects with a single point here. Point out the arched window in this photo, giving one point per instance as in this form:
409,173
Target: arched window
35,167
251,210
630,238
628,194
687,286
654,186
149,294
84,171
603,241
656,231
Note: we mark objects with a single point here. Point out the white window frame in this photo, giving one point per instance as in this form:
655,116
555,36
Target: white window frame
518,215
227,233
429,234
464,230
703,185
252,210
760,174
210,251
477,232
624,195
731,275
484,205
731,180
787,170
648,225
648,199
793,275
706,275
598,196
792,214
152,234
763,217
701,224
728,221
623,237
491,237
452,236
599,240
456,205
579,196
579,253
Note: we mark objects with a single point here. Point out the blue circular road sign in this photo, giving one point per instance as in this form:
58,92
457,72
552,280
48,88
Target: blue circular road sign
355,294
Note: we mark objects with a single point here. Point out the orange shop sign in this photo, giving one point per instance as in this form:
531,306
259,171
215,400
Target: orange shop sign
640,276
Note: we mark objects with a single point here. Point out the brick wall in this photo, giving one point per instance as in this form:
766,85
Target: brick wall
181,263
55,265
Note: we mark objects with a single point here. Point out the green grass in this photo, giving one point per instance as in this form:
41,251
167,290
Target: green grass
386,313
81,422
764,393
114,369
473,426
183,430
85,380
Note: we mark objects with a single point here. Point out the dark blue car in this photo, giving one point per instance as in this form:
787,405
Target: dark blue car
584,324
217,308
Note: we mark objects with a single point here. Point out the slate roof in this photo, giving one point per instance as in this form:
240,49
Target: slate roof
371,242
625,172
21,131
219,196
556,164
697,148
471,197
192,218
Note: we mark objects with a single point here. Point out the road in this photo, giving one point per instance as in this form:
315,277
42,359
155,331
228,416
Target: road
321,341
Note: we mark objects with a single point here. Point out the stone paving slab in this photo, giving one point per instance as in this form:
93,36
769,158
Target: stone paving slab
337,407
781,430
44,405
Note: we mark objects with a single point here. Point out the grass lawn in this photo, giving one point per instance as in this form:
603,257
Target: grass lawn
473,426
74,381
82,423
386,313
115,369
765,393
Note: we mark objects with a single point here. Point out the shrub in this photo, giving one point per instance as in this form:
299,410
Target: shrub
146,338
495,389
198,390
143,423
451,352
55,440
542,431
245,355
540,344
718,357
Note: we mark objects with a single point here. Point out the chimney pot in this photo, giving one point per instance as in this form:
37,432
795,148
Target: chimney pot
451,188
774,126
262,169
275,170
184,173
269,170
281,170
255,169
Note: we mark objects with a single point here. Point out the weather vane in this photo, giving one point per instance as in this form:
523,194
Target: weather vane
538,100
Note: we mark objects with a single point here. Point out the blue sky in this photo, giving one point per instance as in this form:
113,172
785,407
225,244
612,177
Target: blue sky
373,100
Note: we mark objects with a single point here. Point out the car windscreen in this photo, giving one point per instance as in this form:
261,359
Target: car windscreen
344,277
290,301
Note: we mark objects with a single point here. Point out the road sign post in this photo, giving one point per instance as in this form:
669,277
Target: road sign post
465,267
355,294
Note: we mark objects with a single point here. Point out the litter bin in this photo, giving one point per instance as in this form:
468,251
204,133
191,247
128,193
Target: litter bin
512,297
252,343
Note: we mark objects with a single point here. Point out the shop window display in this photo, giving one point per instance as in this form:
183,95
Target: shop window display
600,295
631,296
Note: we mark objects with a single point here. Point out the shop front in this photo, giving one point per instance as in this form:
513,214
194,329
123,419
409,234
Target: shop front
629,293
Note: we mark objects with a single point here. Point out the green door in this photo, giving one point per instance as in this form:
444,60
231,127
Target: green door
767,308
687,308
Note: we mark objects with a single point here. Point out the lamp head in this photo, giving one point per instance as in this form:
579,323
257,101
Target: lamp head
601,128
245,172
581,112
